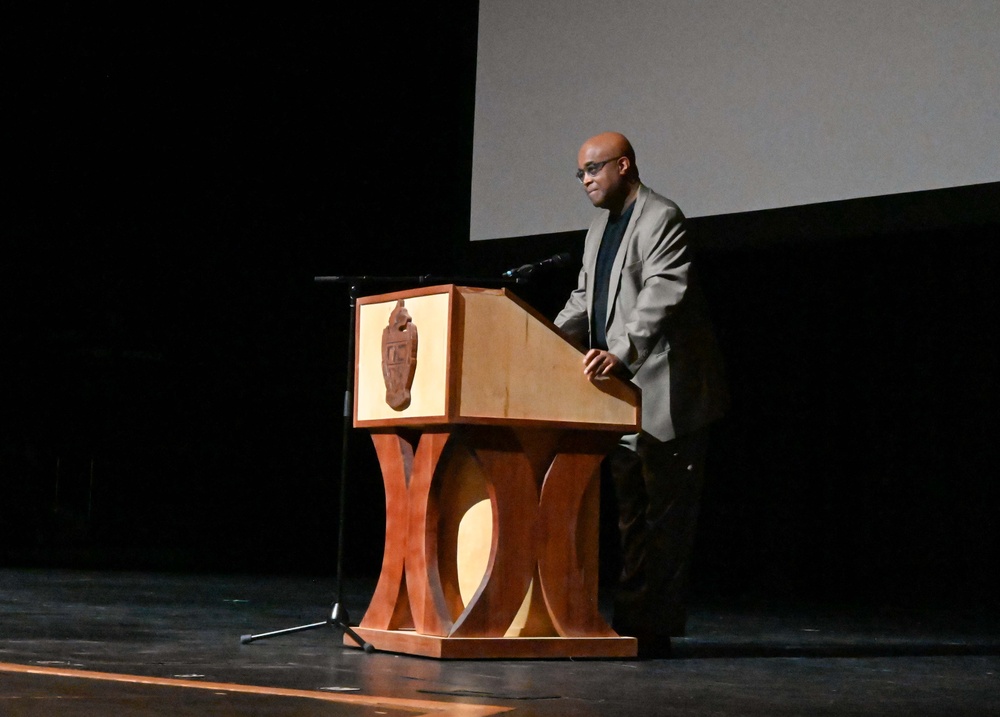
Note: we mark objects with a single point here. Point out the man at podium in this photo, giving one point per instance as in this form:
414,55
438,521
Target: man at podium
639,312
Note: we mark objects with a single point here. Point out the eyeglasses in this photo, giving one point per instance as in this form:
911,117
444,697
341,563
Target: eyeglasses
592,168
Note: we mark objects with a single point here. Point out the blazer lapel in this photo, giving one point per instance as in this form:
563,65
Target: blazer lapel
619,263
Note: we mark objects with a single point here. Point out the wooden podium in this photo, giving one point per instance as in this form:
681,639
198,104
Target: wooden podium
489,439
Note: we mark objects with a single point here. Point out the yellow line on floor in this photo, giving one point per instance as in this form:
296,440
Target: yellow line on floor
423,707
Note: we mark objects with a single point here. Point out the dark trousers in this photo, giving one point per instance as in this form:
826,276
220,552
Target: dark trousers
658,489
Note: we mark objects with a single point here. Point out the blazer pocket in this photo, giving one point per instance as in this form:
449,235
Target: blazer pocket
631,283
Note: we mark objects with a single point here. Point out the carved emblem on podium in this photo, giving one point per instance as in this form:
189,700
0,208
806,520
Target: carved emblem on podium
399,357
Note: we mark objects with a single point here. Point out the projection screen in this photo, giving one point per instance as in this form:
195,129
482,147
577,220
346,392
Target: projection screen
732,105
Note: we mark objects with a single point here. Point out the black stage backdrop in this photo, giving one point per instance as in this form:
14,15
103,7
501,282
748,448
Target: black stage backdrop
174,381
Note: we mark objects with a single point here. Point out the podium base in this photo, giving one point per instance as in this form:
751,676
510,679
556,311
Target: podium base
409,642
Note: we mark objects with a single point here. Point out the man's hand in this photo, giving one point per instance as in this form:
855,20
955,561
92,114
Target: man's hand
598,364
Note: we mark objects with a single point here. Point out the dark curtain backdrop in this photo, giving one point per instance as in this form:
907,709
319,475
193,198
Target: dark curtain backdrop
175,376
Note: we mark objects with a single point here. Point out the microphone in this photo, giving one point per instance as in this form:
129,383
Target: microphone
523,272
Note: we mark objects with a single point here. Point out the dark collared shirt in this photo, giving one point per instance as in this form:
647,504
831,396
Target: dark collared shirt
610,242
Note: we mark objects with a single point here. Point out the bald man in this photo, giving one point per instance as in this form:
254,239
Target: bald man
640,314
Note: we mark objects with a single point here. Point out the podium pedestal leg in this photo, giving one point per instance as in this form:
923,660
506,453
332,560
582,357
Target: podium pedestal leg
543,490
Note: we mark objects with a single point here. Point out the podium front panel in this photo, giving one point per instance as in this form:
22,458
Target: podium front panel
428,394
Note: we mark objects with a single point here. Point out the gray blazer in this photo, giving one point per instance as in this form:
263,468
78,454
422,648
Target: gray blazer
657,321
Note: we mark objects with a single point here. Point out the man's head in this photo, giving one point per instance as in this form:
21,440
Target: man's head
606,167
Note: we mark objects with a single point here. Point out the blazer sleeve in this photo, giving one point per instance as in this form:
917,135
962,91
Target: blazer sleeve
573,318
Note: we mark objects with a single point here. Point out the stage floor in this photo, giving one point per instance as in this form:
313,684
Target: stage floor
97,643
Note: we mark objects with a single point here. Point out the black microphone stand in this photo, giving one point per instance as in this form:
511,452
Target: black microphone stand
338,617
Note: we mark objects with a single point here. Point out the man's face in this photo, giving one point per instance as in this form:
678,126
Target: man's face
605,185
